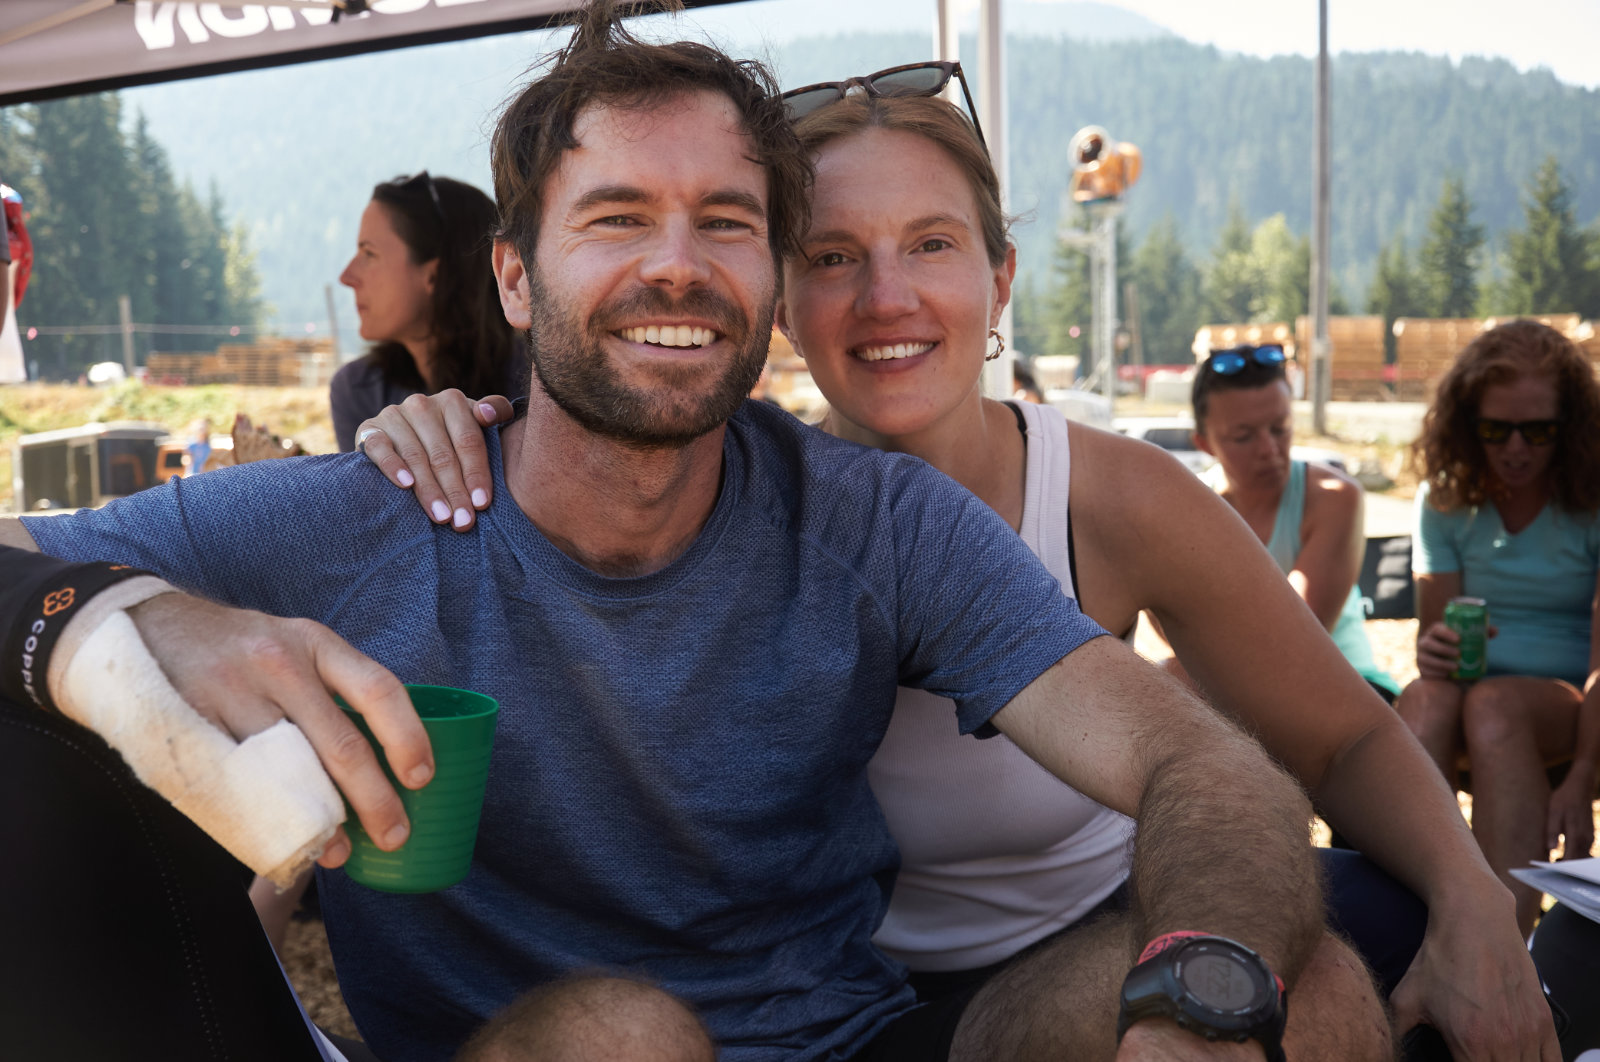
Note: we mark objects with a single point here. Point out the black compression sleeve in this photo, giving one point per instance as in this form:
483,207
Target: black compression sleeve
39,595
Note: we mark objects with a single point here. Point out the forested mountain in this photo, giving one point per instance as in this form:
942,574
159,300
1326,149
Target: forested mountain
108,219
294,152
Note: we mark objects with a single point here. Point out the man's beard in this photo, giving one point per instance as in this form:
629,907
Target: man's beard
680,405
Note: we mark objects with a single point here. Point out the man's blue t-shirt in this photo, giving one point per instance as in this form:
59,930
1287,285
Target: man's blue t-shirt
678,785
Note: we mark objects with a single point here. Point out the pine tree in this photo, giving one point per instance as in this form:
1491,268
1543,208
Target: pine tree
108,220
166,243
1029,332
1232,281
1169,295
1550,268
1447,261
78,220
1069,304
241,285
1283,263
1394,291
1069,307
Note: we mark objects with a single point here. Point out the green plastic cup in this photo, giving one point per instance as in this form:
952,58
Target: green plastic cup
444,813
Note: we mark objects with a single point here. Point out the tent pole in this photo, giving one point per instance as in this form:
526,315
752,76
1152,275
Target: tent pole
88,7
947,43
1321,199
997,374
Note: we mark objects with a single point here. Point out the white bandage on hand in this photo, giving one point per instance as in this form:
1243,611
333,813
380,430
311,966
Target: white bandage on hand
267,799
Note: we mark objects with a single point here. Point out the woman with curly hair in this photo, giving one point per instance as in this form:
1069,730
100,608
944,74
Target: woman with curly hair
1510,456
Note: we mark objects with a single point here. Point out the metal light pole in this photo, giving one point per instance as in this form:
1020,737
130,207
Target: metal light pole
1098,238
333,323
997,374
947,43
1321,216
125,314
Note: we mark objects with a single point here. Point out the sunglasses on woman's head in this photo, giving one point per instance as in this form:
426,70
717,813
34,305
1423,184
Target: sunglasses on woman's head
913,79
426,181
1533,432
1234,359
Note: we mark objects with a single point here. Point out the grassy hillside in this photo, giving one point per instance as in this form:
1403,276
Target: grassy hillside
299,413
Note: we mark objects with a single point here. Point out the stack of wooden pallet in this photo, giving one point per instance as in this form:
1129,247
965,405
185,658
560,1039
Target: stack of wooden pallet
172,369
1424,348
267,363
1587,336
1222,336
789,381
1356,370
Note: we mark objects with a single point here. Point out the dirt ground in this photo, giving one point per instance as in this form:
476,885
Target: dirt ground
310,967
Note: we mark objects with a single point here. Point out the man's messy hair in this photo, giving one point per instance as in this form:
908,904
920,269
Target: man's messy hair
605,64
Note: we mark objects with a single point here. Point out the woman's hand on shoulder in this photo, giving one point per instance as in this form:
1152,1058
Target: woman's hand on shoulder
433,445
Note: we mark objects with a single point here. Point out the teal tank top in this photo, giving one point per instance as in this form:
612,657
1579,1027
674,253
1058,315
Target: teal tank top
1349,632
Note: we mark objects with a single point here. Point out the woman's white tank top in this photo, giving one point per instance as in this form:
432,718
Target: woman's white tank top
995,852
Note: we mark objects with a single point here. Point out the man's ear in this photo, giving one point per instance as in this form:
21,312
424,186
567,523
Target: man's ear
1201,443
513,281
780,317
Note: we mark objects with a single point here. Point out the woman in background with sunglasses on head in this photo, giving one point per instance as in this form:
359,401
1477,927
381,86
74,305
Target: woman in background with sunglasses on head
427,300
1507,512
893,302
1308,516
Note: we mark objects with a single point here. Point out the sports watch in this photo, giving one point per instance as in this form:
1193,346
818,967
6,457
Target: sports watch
1212,986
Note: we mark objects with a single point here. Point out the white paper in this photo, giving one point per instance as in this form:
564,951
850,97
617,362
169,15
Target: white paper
1587,869
1577,893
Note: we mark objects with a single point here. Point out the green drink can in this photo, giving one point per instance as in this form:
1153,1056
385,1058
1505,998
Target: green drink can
1469,617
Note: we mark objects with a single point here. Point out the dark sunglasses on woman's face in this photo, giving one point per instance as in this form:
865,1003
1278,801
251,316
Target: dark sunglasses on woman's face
913,79
1533,432
1234,359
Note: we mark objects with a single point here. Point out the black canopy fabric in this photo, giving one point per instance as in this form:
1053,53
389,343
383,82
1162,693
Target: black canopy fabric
53,48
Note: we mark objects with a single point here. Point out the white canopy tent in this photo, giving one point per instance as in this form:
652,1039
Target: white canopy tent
55,48
52,48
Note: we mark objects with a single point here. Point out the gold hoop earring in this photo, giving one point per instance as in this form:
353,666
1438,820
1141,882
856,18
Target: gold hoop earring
999,345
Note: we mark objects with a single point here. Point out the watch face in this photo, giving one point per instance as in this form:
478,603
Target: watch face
1220,980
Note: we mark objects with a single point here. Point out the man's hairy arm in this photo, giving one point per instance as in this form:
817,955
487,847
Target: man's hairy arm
1223,844
1255,648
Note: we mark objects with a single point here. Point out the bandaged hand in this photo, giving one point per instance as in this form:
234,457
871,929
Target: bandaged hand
227,713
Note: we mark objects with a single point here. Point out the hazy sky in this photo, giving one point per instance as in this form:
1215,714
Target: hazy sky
1563,35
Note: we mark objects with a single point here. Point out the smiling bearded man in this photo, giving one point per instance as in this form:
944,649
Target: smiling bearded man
571,364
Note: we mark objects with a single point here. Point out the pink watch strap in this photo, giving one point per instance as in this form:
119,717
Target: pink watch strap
1178,936
1167,940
